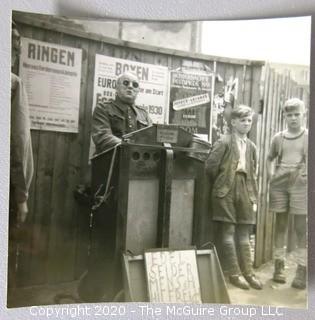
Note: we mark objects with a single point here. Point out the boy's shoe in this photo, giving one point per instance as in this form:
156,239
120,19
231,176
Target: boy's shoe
299,282
253,281
239,281
278,275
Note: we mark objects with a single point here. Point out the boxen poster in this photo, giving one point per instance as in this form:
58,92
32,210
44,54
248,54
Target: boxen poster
153,95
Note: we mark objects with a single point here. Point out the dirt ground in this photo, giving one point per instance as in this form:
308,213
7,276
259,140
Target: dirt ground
273,294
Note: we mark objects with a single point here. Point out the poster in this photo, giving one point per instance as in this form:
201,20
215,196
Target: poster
153,94
190,101
52,77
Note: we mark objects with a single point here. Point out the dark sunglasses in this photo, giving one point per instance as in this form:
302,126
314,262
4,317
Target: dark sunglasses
134,84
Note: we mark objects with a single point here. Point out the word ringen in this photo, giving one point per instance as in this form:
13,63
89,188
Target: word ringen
50,54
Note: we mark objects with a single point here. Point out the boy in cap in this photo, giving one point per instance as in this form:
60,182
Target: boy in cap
232,168
288,188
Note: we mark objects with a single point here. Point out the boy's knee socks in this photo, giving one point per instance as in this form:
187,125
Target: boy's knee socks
301,256
246,258
230,258
279,253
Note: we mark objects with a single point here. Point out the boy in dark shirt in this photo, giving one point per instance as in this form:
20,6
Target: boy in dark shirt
232,167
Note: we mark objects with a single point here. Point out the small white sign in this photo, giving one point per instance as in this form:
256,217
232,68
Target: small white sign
191,102
172,276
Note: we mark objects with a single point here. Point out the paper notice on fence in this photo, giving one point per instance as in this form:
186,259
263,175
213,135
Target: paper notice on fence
191,102
52,77
172,276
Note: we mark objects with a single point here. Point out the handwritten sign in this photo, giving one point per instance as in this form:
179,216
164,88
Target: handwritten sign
172,276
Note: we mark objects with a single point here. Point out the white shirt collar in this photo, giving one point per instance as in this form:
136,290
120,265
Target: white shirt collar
240,139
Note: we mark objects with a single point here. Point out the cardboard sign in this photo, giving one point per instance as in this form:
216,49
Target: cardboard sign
172,276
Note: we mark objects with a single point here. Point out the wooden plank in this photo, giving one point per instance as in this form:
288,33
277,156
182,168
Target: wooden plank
255,100
66,168
248,85
269,216
48,221
255,88
239,70
264,190
259,246
161,60
220,71
83,211
74,174
91,48
40,221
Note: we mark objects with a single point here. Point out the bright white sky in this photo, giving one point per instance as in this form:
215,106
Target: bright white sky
285,40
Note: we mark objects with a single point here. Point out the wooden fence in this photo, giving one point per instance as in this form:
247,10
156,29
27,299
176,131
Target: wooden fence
277,88
55,243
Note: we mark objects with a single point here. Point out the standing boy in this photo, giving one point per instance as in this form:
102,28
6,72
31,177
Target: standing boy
288,188
232,168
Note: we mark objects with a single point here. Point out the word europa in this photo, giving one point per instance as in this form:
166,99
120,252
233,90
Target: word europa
51,54
106,83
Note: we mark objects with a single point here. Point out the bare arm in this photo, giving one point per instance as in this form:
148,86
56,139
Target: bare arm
272,154
269,169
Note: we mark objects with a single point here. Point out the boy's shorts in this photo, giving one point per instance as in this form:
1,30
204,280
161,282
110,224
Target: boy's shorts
288,190
236,207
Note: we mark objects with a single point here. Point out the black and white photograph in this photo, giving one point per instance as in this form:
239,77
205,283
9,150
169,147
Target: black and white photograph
158,161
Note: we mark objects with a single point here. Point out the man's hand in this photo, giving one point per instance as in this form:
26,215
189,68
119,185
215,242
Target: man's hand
22,211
